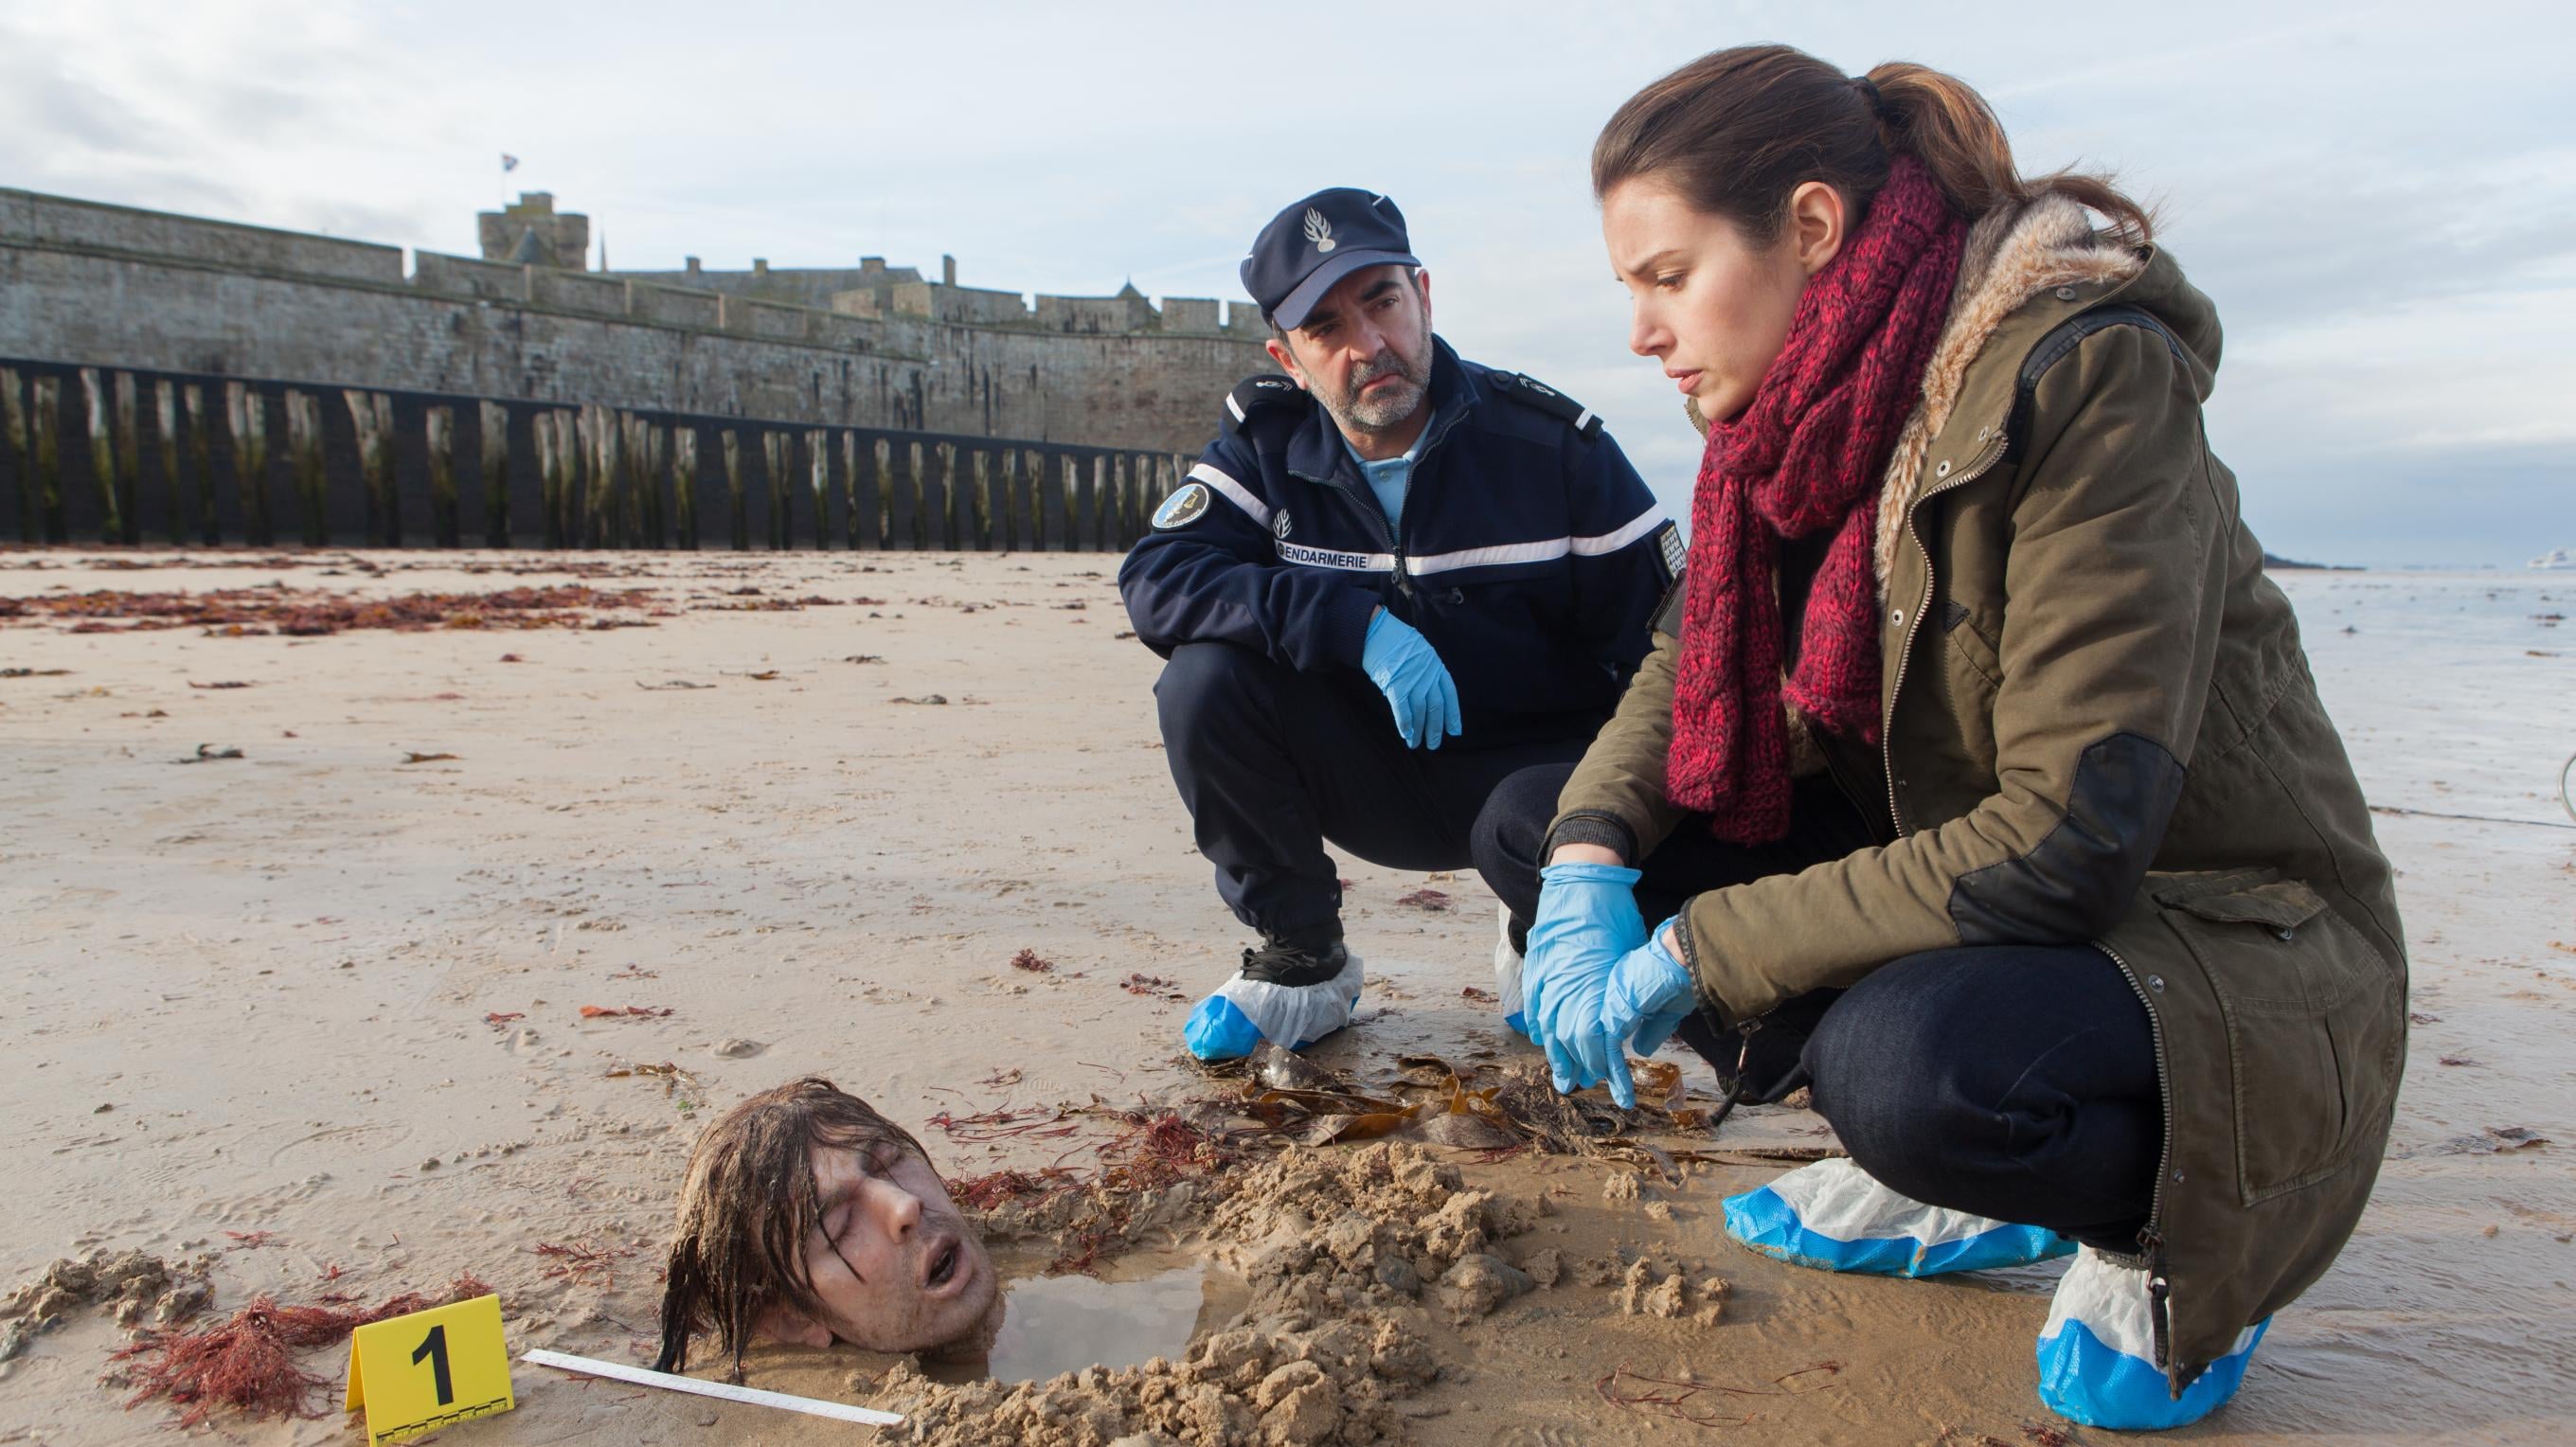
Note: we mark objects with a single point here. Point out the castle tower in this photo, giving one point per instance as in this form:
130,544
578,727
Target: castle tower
531,232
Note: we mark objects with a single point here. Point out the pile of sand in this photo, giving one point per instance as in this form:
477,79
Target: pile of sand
1346,1251
136,1288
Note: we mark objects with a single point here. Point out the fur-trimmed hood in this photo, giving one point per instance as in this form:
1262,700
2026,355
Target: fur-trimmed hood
2013,254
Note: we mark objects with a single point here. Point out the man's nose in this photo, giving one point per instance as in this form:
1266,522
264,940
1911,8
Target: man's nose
1367,343
897,1210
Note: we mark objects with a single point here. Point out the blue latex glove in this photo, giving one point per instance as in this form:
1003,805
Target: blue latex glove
1649,995
1407,669
1587,922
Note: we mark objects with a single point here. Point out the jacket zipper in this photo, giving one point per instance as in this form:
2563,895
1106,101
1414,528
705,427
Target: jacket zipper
1394,530
1905,656
2151,1241
2151,1238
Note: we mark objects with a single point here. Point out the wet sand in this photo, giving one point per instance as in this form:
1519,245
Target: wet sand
322,993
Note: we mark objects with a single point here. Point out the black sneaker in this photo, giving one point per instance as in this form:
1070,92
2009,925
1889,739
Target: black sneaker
1277,962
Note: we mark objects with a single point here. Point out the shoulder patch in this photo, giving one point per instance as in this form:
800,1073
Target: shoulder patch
1266,392
1531,392
1183,507
1675,552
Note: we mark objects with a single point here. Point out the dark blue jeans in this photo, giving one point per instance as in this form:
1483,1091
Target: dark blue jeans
2012,1081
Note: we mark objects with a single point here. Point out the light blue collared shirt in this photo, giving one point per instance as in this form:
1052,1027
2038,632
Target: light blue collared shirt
1389,480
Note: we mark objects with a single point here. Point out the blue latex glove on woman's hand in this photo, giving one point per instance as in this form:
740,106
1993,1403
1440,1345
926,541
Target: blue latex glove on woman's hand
1587,922
1407,669
1649,995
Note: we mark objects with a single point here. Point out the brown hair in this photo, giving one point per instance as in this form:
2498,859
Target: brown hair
1735,131
746,1206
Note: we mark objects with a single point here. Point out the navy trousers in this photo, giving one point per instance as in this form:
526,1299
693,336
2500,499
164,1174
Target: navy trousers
2012,1081
1273,762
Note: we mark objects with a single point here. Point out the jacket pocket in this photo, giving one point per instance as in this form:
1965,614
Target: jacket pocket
2312,1025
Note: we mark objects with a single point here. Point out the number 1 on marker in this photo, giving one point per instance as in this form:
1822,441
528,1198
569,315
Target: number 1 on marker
434,1347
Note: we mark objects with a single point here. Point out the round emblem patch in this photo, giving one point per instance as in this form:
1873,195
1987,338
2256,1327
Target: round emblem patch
1279,523
1183,507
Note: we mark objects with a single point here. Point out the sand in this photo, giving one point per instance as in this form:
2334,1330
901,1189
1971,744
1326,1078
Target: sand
318,1011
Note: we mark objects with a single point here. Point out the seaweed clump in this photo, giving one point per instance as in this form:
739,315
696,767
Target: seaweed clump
247,1361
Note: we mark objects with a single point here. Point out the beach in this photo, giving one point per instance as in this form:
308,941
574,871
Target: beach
484,922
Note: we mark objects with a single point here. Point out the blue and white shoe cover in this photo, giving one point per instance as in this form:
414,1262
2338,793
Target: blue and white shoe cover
1507,975
2097,1360
1833,1217
1242,1013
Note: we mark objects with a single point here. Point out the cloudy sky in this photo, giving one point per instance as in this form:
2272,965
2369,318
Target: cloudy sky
2380,199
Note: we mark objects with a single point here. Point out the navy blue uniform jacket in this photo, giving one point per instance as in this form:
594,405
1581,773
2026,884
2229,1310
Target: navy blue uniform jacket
1532,556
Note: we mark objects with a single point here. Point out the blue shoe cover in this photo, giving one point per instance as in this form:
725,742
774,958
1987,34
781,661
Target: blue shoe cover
1507,977
2097,1355
1833,1217
1242,1013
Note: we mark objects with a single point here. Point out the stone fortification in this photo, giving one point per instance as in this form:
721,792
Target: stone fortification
871,346
167,376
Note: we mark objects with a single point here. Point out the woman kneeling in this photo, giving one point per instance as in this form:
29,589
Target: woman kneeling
1977,776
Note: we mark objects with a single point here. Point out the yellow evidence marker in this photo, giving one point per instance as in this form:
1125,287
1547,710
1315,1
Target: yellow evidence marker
430,1369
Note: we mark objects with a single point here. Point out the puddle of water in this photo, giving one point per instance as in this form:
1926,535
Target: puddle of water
1152,1307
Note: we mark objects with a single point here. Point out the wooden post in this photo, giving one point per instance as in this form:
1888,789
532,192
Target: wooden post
129,463
165,421
684,483
44,445
102,454
494,438
541,436
1069,530
13,435
374,425
1008,465
541,429
201,465
739,506
936,523
312,475
818,463
608,466
1108,478
1124,487
438,427
776,454
246,418
877,533
1034,482
850,486
657,447
913,495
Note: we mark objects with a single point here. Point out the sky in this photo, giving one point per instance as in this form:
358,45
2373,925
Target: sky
2381,200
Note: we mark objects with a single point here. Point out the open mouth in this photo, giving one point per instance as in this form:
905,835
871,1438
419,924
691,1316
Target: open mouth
945,1264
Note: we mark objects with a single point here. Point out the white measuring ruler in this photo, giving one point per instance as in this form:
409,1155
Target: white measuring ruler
642,1377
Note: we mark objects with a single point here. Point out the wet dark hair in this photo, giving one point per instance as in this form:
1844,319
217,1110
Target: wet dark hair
747,1205
1736,131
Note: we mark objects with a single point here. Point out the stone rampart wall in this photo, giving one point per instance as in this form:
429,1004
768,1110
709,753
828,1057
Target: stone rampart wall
61,221
109,286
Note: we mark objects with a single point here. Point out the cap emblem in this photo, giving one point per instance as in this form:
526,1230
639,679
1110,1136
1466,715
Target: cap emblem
1319,230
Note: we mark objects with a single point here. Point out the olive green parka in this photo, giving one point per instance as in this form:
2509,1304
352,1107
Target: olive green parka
2099,727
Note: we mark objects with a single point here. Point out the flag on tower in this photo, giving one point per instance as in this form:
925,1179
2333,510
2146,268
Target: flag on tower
509,163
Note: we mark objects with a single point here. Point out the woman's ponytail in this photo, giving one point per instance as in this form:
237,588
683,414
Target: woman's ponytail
1736,131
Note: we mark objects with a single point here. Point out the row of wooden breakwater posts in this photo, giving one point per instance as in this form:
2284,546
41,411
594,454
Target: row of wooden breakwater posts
95,455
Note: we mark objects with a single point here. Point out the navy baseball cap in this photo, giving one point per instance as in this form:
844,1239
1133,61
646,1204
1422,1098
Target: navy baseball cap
1315,243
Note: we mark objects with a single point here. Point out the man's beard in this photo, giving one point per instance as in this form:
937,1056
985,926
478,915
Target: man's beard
1390,407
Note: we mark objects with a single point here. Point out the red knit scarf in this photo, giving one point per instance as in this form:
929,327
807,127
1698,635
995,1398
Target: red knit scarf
1807,455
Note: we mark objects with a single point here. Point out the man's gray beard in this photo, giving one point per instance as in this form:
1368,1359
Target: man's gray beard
1388,411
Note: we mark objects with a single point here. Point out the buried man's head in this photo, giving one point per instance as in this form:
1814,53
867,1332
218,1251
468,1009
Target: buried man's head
808,1217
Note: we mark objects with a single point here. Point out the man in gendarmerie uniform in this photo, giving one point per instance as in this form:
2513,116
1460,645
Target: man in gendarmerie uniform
1397,578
